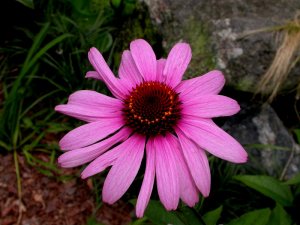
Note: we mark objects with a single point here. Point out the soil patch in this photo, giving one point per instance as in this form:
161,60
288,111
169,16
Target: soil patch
51,201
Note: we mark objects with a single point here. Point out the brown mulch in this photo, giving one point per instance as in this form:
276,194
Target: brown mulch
50,201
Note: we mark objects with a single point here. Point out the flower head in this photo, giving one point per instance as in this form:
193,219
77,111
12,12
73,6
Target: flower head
153,112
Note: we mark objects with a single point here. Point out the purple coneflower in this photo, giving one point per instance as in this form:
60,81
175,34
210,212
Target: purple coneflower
155,112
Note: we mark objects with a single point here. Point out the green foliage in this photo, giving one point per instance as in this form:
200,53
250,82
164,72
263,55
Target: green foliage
279,216
13,106
294,180
212,217
269,187
256,217
158,215
297,133
27,3
265,216
92,221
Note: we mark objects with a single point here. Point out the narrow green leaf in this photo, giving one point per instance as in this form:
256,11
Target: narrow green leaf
5,146
212,217
37,42
279,216
38,100
104,42
27,3
256,217
140,221
269,187
44,49
297,132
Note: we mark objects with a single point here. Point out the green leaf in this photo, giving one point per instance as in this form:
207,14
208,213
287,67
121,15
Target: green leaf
189,216
92,221
297,132
279,216
212,217
5,145
269,187
256,217
116,3
27,3
294,180
157,214
104,42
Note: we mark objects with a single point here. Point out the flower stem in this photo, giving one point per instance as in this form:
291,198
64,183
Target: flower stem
19,185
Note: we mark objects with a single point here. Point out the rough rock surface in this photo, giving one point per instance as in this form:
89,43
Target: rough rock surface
214,29
270,145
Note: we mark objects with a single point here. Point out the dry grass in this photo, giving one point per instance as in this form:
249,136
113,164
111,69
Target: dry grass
284,60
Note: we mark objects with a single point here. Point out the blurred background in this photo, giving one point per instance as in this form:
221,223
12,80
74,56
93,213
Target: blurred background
43,59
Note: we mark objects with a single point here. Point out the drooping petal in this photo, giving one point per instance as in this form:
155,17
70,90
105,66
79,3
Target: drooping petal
144,58
147,185
83,155
159,70
209,106
166,173
99,64
90,133
128,70
124,169
197,162
94,75
94,99
209,83
104,161
88,113
213,139
176,64
188,190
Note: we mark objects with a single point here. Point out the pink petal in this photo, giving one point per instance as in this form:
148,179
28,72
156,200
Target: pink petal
209,106
213,139
114,85
94,75
147,185
144,58
128,69
159,70
90,133
94,99
188,191
176,64
124,169
197,162
209,83
166,172
88,113
103,161
83,155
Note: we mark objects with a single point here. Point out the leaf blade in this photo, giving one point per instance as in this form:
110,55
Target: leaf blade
269,187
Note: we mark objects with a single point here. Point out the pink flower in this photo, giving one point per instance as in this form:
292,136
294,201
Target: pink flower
155,112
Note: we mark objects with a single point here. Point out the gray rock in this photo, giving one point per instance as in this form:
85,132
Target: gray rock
269,144
213,29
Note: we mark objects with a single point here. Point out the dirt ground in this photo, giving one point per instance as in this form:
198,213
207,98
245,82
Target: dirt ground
50,201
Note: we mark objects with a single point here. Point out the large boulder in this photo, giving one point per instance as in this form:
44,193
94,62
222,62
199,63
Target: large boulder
270,146
214,29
